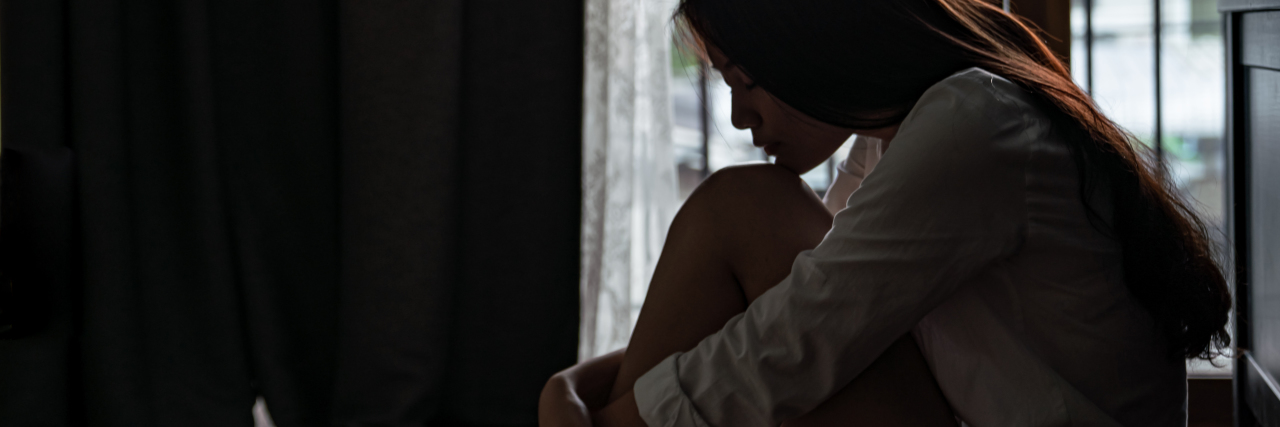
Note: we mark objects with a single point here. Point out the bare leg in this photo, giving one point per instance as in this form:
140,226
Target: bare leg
735,238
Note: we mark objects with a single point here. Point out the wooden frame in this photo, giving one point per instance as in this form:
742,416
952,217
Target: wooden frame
1053,17
1257,394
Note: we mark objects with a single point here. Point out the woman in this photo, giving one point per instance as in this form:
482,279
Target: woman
1012,259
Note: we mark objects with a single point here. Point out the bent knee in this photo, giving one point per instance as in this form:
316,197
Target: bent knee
758,195
760,216
753,180
756,183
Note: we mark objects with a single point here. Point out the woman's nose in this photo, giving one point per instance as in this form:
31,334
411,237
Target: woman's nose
742,114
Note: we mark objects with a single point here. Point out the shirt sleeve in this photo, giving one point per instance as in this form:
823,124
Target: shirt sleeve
862,158
946,202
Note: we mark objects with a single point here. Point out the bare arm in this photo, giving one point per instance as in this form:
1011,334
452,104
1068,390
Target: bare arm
621,413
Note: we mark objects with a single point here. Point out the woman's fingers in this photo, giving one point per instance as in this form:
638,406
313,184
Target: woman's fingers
559,405
570,395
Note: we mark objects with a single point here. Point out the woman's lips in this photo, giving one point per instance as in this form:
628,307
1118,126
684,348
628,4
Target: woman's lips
770,149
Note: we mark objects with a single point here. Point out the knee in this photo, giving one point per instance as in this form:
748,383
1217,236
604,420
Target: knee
750,179
753,194
756,218
750,184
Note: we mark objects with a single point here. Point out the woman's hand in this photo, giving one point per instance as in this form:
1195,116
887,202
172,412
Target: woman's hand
571,395
560,406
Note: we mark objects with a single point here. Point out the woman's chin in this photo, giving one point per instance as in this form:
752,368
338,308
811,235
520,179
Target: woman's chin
799,167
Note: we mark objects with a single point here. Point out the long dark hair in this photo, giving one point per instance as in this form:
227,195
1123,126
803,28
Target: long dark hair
864,64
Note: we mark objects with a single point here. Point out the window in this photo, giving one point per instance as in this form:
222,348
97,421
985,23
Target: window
1156,68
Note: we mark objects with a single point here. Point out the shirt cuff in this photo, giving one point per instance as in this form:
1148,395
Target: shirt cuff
661,401
843,168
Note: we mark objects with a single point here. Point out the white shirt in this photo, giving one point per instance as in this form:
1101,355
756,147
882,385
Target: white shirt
971,235
862,158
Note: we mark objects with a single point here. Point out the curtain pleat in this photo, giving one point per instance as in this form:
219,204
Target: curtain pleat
276,126
162,328
364,212
520,150
401,72
35,371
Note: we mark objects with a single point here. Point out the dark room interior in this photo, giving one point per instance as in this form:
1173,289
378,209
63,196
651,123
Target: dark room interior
414,213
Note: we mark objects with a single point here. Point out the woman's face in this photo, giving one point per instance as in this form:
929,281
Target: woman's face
797,141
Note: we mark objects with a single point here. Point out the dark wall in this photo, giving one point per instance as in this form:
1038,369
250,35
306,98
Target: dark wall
366,213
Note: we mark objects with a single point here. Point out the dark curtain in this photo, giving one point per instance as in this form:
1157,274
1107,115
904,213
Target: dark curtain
364,212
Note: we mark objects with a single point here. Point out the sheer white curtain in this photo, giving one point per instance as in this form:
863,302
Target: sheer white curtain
628,175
